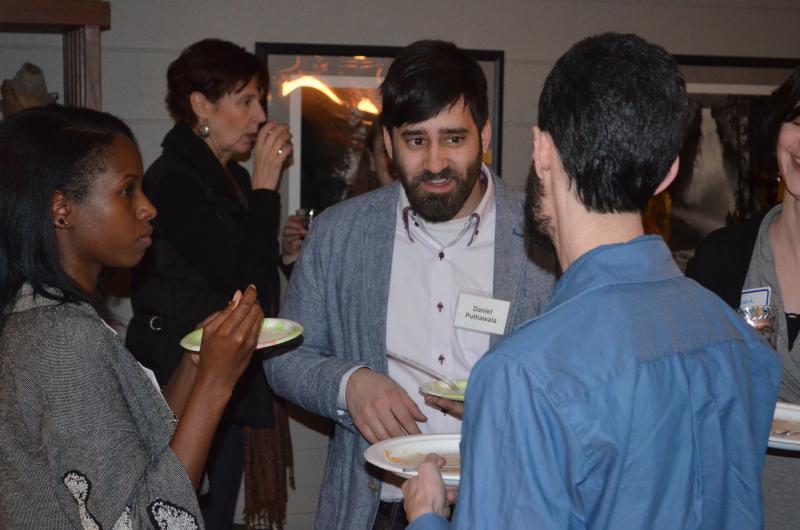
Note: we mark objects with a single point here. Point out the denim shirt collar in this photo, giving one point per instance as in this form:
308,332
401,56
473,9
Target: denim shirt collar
645,258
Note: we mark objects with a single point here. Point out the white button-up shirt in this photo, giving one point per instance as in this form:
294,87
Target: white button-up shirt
432,263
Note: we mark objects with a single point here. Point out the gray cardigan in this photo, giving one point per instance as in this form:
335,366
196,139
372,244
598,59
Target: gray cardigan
339,291
85,434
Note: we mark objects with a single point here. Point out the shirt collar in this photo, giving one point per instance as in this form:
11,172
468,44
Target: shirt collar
485,208
643,259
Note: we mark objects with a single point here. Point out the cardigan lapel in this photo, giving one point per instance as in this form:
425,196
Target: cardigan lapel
509,251
377,245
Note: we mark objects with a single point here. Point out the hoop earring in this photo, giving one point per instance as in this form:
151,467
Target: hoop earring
205,131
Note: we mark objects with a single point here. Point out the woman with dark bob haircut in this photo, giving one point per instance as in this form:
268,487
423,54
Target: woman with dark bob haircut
88,440
764,254
217,232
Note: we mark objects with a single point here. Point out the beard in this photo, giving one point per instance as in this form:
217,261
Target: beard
440,207
540,230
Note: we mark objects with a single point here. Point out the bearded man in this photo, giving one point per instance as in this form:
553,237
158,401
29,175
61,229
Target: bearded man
434,267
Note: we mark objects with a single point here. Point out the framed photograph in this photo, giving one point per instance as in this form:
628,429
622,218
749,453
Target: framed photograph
723,174
329,95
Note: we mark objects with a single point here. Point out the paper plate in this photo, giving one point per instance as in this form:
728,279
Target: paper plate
787,416
439,389
273,331
403,455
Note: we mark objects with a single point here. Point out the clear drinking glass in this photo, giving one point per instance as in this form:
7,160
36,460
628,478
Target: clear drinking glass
307,216
763,318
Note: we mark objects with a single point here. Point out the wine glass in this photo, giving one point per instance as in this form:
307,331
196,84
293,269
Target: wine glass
763,318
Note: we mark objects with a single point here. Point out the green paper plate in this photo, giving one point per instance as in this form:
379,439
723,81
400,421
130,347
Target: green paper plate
273,331
439,389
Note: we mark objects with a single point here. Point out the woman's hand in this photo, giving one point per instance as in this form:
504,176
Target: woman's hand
294,233
273,146
229,340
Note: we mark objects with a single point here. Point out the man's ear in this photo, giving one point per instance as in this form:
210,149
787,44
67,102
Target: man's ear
60,210
542,151
671,174
486,136
201,106
387,142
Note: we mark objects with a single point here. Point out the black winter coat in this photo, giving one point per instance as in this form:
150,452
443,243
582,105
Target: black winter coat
206,244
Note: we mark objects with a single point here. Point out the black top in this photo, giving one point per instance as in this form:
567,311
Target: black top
722,260
208,241
793,327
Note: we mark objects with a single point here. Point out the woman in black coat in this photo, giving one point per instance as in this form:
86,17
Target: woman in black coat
216,232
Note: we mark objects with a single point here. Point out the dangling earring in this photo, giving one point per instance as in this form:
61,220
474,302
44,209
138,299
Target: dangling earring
205,130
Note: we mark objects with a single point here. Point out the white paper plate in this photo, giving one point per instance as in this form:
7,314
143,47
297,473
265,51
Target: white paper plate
440,389
785,412
402,455
273,331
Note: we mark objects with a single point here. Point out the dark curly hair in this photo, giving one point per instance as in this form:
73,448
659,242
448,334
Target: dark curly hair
783,106
214,68
615,107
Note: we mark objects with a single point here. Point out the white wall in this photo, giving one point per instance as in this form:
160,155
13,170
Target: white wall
146,35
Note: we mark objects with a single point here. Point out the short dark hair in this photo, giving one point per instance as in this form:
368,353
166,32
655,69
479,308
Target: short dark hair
782,106
428,76
615,107
214,68
44,150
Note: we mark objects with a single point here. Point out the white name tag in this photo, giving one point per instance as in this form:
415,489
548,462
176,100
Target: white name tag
758,296
478,313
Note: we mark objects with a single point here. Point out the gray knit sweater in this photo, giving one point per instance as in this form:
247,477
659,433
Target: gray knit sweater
84,435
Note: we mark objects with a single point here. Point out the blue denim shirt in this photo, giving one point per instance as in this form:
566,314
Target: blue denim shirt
637,400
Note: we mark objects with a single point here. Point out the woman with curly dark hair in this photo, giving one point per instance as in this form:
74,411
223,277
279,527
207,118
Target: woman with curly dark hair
764,255
216,232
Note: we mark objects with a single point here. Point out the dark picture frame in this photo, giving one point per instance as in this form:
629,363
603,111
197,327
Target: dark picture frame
723,176
331,111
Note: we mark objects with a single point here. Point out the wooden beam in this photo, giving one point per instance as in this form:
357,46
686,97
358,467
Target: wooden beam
54,16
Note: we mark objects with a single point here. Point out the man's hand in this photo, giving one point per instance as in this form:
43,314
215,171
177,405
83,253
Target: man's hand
448,406
425,493
379,407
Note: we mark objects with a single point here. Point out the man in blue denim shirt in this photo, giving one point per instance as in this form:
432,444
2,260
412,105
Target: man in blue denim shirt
637,400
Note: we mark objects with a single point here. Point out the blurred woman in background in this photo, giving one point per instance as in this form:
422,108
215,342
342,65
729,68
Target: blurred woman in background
765,253
217,232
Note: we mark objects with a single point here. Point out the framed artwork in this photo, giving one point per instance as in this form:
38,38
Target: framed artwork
723,175
329,95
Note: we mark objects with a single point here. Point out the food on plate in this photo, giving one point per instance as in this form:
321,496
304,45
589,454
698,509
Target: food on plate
783,426
413,459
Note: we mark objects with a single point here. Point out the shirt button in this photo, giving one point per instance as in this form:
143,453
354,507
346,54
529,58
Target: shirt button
441,255
440,306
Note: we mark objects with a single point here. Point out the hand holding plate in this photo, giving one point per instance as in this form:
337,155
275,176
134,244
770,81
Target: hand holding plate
425,493
448,406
